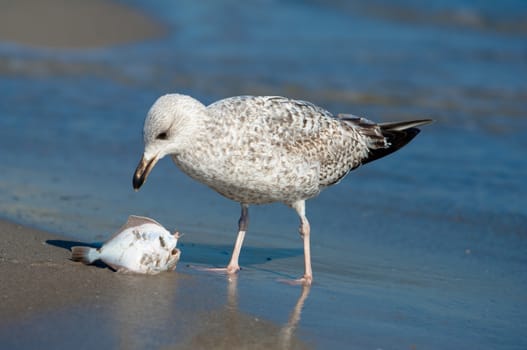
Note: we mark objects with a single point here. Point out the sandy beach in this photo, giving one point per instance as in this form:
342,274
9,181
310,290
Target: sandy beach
38,277
47,298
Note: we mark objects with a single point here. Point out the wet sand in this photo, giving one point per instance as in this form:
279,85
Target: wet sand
73,24
47,297
37,277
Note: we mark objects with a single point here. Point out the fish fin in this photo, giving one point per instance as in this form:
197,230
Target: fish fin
123,270
86,255
178,235
134,221
117,267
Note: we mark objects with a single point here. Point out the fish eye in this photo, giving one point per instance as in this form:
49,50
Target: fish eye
162,136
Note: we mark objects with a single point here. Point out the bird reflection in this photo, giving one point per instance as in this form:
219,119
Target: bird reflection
285,338
232,329
288,330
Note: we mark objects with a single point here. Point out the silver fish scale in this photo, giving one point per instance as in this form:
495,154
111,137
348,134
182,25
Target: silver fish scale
298,149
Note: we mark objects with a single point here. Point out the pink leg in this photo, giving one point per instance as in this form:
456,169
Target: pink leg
305,232
233,265
243,223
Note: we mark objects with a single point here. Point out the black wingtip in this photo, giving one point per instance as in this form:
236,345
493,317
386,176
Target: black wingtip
396,140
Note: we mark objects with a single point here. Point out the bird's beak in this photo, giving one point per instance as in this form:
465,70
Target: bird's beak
143,169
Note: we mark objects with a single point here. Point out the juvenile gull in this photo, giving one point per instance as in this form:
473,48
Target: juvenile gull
264,149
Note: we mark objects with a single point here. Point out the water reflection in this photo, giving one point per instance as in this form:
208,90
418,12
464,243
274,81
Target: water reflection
176,311
288,330
229,328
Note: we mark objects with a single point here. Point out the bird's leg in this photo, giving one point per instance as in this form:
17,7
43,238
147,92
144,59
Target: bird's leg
233,265
305,232
243,223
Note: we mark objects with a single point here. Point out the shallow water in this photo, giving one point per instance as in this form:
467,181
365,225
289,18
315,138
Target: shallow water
423,249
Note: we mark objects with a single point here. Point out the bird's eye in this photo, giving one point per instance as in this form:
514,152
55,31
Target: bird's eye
162,136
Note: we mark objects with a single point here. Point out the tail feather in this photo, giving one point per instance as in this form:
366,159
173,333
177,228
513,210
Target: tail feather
86,255
400,126
397,135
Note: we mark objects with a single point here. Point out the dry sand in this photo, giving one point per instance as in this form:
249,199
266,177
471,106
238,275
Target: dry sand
73,24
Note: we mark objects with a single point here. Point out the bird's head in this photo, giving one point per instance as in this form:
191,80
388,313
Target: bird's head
169,127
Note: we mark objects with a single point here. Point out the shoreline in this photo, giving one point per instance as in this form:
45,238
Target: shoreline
44,294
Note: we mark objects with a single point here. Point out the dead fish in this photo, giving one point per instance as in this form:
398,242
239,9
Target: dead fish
142,245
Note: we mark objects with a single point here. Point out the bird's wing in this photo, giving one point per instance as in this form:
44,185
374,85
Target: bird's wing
299,128
285,121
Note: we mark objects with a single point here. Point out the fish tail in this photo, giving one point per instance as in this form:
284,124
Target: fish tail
86,255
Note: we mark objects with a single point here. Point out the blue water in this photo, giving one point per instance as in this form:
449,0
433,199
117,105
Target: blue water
423,249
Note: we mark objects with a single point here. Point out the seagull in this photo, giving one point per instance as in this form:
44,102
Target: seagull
265,149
